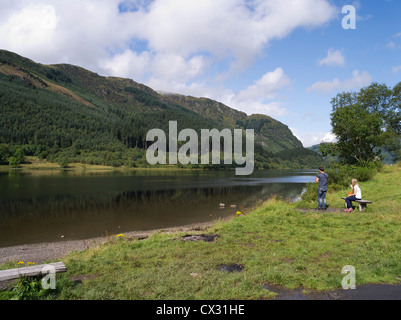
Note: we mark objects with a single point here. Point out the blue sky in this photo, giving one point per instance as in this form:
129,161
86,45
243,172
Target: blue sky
286,59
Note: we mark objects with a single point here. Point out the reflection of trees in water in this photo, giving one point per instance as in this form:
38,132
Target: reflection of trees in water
97,203
80,216
284,191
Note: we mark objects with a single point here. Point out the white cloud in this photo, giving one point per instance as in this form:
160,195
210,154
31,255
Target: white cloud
74,31
396,69
225,28
296,134
257,97
358,81
314,138
334,58
34,26
266,87
174,66
85,32
391,45
128,64
145,65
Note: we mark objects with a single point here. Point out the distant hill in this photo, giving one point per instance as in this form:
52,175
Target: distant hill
61,110
314,148
269,133
388,157
327,159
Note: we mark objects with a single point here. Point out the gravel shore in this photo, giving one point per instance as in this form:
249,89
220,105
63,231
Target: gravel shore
49,251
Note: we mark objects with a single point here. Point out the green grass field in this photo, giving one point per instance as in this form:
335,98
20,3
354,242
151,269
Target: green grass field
275,244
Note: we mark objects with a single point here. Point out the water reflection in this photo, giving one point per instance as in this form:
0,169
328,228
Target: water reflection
37,208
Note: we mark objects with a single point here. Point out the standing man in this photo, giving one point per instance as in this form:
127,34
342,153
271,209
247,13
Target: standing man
322,178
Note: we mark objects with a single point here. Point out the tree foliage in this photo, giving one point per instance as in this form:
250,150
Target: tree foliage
365,123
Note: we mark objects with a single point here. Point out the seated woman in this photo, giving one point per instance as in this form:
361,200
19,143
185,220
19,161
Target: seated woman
355,195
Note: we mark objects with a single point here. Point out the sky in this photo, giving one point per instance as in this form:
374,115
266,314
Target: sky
283,58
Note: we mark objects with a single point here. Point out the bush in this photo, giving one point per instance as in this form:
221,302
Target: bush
41,152
130,164
13,162
20,155
310,193
64,162
116,163
28,288
340,175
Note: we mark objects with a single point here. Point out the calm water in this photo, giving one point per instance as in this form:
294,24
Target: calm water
38,207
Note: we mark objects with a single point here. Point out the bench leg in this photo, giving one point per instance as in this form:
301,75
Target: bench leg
362,206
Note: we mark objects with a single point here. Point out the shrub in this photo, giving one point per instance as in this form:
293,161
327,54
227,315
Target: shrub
116,163
28,288
13,162
64,162
310,193
20,155
130,164
340,175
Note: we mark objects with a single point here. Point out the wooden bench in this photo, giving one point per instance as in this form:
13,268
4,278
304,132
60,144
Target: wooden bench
362,203
11,274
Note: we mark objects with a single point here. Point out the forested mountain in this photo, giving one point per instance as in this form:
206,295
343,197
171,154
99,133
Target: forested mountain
386,156
270,133
64,111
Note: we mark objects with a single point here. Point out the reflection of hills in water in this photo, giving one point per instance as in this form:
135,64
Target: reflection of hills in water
37,210
95,203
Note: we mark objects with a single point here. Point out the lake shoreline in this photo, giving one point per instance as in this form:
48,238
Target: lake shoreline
81,167
49,251
34,164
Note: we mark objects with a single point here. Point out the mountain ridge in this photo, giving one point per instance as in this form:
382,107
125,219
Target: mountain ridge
120,110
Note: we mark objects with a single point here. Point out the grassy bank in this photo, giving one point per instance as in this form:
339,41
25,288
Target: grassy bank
275,244
34,164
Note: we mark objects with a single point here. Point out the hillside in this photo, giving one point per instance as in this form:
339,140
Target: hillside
61,110
387,157
270,133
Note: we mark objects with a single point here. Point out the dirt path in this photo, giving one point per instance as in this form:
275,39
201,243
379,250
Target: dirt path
328,210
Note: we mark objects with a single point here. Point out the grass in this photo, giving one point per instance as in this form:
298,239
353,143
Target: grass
34,163
276,244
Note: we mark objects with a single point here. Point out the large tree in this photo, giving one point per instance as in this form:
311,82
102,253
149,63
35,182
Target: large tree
365,123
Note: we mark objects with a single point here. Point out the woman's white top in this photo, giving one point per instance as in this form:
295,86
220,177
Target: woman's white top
358,192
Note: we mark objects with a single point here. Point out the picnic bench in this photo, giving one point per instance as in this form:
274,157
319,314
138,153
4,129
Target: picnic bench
11,274
362,203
